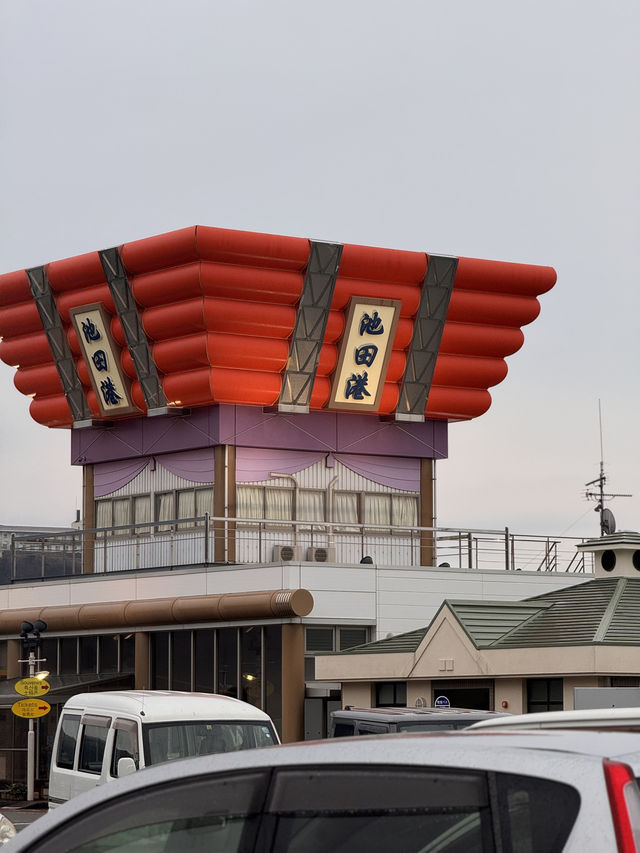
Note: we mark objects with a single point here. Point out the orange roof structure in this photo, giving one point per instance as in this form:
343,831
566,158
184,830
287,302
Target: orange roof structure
203,315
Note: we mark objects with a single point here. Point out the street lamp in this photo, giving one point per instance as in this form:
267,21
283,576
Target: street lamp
30,636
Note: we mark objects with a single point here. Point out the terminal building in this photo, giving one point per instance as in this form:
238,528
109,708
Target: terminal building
258,420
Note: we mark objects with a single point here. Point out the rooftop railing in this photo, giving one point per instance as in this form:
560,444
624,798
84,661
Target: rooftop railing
211,541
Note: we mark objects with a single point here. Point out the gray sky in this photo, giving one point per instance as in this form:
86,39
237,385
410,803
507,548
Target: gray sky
505,130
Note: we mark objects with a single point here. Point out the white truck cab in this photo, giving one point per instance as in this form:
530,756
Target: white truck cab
102,736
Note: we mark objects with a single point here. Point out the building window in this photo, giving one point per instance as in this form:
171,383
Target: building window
319,640
544,694
350,637
194,503
272,655
88,654
391,694
68,656
203,669
160,660
227,661
181,660
142,513
108,647
251,665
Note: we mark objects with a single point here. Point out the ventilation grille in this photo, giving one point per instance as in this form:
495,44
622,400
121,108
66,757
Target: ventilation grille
321,555
285,553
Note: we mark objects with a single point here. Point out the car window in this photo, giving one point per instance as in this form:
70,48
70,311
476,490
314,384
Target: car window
67,738
427,727
125,743
168,741
372,728
319,809
92,744
207,815
344,729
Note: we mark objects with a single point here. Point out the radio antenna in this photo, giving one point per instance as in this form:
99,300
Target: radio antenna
607,520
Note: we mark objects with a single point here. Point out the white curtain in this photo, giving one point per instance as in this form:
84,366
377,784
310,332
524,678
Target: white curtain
142,512
204,502
310,505
278,504
345,508
186,505
249,502
121,512
103,514
404,510
164,508
377,509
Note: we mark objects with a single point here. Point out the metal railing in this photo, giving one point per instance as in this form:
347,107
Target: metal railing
209,540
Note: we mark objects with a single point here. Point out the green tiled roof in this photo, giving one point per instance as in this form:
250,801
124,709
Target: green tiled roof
486,622
408,642
604,611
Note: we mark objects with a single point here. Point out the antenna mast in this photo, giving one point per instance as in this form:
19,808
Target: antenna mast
607,521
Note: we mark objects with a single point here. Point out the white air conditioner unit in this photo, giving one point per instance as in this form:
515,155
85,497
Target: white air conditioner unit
286,553
321,555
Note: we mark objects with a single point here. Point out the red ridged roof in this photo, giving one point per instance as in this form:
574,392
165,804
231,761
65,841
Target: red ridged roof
219,307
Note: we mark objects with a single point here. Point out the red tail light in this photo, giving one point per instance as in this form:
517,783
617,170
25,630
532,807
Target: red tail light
624,800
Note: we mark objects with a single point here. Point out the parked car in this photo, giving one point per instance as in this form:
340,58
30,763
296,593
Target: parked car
101,736
455,792
367,721
619,719
7,829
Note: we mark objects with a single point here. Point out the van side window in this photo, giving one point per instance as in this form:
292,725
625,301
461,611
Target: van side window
365,728
125,743
344,729
69,726
93,742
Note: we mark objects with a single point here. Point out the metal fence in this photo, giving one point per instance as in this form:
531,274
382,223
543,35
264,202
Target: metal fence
209,540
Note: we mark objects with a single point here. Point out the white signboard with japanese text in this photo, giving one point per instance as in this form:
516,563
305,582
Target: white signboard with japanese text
364,354
102,357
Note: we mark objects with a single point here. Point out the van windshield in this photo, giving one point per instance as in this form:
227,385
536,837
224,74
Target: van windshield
171,740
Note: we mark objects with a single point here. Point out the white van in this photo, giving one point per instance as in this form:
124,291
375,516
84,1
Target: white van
102,736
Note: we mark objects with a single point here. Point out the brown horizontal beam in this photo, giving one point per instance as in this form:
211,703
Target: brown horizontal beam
113,615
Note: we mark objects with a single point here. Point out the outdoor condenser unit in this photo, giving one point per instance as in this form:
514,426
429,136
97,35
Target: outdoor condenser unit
321,555
286,553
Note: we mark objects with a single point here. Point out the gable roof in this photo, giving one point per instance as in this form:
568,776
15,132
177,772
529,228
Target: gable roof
400,643
604,611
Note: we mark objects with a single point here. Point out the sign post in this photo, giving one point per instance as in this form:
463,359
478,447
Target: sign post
32,707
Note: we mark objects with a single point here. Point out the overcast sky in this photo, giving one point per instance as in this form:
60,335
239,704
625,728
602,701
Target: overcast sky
503,130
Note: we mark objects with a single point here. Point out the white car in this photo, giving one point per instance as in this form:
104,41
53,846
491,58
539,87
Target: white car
467,792
611,719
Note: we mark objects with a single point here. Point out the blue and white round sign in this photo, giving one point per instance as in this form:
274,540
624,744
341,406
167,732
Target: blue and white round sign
442,702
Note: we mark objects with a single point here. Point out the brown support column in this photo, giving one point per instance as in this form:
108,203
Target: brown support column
14,654
292,683
142,668
427,515
89,519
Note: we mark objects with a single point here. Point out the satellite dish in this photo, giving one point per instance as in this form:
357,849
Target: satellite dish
607,522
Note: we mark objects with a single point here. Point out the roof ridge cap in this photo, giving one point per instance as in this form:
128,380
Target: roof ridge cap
607,616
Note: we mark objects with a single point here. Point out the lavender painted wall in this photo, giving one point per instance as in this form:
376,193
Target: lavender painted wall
246,426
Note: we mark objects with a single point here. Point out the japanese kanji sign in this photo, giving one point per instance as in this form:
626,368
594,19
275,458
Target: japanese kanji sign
102,357
364,354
